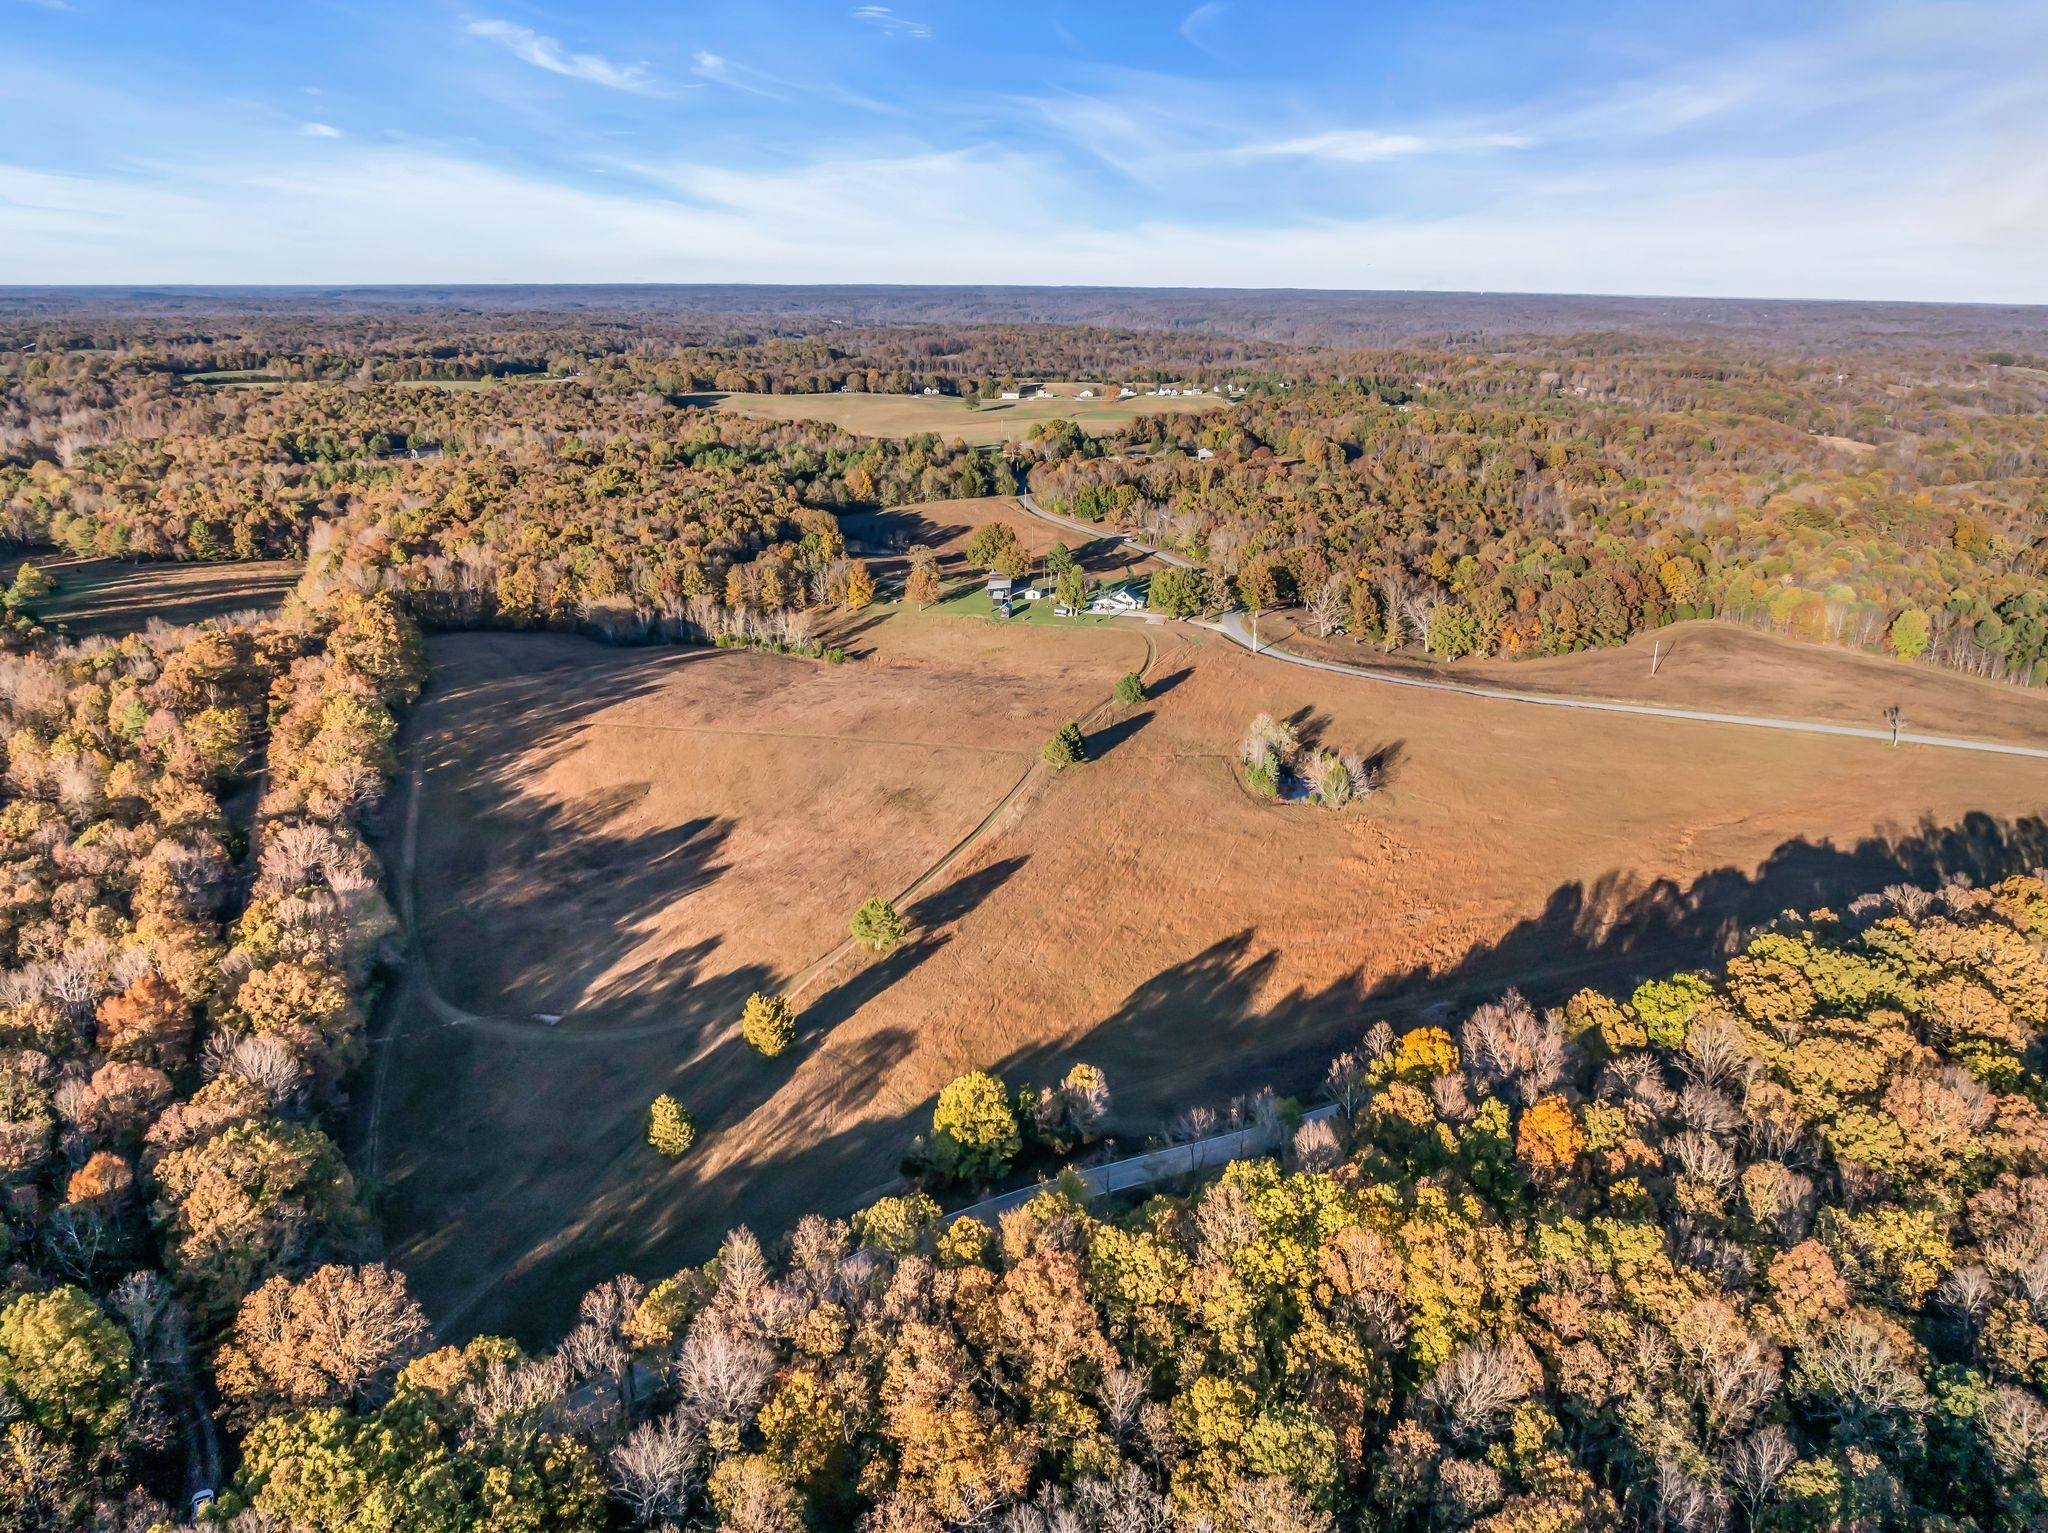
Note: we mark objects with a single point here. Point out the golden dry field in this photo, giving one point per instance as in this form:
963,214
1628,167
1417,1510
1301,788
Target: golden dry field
901,415
613,847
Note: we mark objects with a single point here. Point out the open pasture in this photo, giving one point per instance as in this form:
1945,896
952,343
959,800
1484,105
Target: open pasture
1723,667
112,596
902,415
615,846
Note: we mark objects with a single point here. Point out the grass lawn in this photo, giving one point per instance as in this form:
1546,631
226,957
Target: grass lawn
972,600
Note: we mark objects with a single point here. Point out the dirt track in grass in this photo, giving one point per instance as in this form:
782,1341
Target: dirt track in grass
637,838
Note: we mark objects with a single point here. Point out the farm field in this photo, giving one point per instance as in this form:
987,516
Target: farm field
1727,668
632,840
901,415
112,596
255,378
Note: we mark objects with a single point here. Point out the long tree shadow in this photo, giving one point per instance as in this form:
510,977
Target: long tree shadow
1199,1030
952,900
865,983
1103,741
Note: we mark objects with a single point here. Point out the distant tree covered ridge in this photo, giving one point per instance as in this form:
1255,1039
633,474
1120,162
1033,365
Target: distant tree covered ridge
1540,497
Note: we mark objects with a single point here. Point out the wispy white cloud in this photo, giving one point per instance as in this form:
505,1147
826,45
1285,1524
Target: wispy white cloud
1924,228
719,70
1195,25
886,20
547,53
723,71
319,130
1362,146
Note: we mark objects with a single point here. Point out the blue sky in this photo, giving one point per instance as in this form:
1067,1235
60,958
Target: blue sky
1859,150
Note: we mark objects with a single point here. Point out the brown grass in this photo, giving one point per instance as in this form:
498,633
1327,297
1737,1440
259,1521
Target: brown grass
901,415
639,838
110,596
1729,669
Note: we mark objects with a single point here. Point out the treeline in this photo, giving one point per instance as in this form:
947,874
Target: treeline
1399,510
180,1004
1538,499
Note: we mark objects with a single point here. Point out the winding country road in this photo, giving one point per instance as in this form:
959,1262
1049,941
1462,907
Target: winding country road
1232,627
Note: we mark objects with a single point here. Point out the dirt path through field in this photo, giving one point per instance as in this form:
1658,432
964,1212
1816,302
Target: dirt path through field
1235,627
638,840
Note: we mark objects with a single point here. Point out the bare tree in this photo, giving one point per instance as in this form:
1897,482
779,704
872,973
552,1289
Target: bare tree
722,1376
1316,1147
1474,1393
1702,1108
1509,1046
1705,1159
2015,1429
1854,1375
1328,605
743,1278
1714,1054
1755,1466
1393,610
1345,1083
654,1469
1685,1503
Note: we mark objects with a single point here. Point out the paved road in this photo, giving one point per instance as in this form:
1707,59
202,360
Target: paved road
1232,627
1155,1166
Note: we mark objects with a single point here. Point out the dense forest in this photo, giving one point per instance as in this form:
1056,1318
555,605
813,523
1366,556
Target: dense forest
1762,1248
534,467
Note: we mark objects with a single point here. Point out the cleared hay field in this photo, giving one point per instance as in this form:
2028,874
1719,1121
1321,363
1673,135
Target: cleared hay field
1725,668
110,596
637,838
900,415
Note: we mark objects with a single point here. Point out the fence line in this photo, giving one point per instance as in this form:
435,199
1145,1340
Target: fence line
1175,1160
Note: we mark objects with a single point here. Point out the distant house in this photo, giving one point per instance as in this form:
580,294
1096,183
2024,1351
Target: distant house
1012,394
929,390
1085,394
1125,393
1167,393
846,388
999,587
1032,593
1205,453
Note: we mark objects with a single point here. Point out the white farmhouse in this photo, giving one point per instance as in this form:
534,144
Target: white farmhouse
1117,603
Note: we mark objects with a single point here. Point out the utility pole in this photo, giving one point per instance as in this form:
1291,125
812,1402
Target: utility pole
1894,717
1656,656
